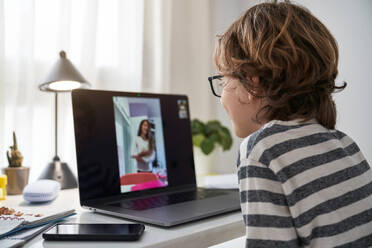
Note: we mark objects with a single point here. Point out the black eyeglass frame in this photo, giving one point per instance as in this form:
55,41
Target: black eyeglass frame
210,79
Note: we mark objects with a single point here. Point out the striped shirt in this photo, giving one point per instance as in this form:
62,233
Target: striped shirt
303,185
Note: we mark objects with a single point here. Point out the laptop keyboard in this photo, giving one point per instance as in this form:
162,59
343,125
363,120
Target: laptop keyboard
164,200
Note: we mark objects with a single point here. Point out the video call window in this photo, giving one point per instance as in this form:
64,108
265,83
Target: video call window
182,109
140,143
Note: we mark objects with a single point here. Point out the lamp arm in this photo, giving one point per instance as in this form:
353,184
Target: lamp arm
56,158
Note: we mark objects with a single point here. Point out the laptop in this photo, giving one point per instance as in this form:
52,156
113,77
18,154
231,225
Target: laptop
135,159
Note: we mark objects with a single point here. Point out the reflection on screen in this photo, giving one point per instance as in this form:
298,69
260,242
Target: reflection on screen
94,229
140,143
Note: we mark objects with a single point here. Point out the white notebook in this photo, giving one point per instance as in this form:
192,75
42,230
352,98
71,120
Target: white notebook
12,223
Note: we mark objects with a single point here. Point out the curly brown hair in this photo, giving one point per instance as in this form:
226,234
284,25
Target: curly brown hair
294,56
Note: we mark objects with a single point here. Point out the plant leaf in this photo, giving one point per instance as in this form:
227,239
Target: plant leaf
214,125
226,139
197,127
215,137
207,146
226,131
197,139
227,143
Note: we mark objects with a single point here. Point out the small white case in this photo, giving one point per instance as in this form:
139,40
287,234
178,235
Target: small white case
41,191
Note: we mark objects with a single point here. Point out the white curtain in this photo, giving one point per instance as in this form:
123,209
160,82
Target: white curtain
127,45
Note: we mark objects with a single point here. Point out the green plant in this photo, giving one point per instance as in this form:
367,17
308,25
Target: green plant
15,158
207,135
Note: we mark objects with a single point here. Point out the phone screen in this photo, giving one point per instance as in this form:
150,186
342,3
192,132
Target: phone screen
97,229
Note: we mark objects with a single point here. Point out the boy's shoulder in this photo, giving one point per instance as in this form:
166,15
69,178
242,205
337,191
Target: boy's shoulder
277,137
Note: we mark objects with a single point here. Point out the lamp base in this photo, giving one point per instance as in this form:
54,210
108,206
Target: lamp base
59,171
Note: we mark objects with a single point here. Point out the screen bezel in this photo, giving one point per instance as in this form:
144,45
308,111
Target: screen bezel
100,98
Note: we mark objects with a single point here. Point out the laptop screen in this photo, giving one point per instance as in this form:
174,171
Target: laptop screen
140,143
131,143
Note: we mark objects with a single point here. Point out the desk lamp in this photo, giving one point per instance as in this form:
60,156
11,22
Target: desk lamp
63,77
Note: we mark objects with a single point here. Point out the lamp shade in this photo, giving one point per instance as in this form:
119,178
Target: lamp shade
63,77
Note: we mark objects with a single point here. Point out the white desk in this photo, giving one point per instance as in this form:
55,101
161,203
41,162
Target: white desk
203,233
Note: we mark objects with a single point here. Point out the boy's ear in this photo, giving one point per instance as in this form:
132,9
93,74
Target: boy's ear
256,82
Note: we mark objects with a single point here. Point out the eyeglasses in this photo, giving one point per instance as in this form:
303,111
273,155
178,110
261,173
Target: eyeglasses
216,85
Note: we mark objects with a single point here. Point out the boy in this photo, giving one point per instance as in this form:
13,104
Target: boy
302,183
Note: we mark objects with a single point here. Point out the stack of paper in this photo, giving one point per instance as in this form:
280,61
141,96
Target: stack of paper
11,221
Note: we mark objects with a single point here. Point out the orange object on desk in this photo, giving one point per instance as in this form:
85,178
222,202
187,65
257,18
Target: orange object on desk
3,183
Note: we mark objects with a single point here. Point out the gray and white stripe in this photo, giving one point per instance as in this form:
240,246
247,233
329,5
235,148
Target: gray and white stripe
304,185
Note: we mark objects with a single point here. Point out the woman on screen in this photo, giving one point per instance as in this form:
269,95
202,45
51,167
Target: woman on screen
144,150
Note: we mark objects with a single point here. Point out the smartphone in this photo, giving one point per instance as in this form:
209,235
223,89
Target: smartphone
94,232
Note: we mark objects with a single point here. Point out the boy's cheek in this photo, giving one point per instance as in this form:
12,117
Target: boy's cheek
224,102
226,109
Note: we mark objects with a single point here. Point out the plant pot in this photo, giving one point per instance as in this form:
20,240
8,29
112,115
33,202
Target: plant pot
17,179
203,165
201,162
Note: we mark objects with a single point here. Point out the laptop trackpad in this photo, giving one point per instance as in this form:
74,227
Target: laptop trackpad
191,210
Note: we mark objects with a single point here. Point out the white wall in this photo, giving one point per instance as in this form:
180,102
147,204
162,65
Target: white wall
224,162
351,24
